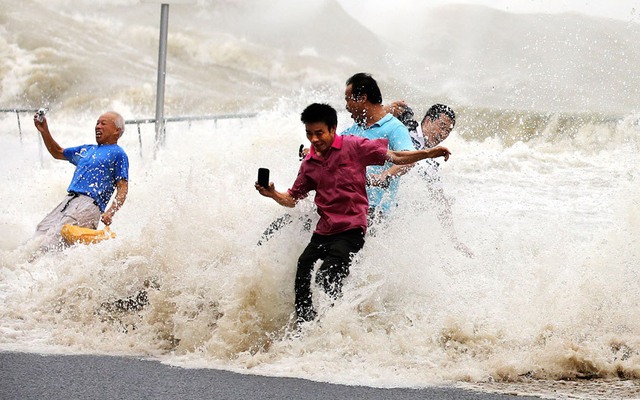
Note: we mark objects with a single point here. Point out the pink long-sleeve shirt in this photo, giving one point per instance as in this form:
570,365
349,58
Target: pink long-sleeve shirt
339,180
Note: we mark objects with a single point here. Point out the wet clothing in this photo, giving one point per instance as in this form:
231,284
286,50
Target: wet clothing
337,251
98,169
429,169
339,180
390,128
76,209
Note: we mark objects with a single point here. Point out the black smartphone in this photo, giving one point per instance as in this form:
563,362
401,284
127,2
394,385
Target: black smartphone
263,177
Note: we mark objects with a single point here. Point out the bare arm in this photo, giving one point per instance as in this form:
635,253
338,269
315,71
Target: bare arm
446,221
282,198
54,148
404,162
383,179
396,108
122,188
412,156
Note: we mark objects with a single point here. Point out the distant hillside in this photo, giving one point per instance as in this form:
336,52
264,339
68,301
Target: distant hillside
247,55
481,56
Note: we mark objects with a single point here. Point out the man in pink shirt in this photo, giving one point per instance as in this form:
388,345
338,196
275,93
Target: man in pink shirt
336,169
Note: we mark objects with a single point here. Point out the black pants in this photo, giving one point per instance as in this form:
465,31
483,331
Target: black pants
337,251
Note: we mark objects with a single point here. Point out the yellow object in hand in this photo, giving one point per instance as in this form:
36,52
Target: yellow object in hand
77,234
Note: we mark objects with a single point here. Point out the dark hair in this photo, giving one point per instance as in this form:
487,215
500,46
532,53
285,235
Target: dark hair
436,110
318,112
363,83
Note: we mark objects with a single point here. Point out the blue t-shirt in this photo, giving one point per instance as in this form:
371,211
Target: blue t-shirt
98,169
389,127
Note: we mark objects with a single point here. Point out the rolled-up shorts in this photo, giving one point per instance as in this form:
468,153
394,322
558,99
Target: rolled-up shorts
76,209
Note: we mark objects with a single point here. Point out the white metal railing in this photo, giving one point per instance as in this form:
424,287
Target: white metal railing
17,111
189,119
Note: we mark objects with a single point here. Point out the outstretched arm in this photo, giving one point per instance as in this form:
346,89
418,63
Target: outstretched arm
122,188
446,221
282,198
54,148
404,162
411,156
396,108
384,179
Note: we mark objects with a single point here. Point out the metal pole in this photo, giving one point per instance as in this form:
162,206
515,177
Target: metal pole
162,66
19,127
140,140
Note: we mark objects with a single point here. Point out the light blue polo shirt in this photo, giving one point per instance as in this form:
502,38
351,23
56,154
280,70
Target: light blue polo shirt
98,169
390,128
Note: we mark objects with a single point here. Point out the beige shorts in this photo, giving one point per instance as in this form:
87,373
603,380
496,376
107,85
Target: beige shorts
75,209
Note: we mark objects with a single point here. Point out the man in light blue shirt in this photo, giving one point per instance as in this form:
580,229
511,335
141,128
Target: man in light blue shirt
364,102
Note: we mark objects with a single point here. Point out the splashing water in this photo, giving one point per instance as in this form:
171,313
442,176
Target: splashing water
547,199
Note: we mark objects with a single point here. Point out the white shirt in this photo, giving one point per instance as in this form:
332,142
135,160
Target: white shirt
427,168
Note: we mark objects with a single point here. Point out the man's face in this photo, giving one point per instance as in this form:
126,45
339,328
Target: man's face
320,136
354,106
106,130
438,130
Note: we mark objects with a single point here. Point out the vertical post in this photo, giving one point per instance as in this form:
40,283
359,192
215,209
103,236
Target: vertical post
19,127
162,66
139,139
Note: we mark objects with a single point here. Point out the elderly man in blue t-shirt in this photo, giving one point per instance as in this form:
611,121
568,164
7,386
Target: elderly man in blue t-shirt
100,170
364,102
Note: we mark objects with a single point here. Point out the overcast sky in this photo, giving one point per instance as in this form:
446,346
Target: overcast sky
626,10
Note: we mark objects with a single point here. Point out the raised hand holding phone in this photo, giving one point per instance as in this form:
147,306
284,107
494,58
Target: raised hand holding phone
40,114
263,177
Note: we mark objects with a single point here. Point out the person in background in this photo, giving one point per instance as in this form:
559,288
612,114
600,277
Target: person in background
335,168
101,169
435,127
372,121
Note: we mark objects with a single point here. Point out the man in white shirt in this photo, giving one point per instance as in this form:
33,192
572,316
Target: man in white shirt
435,127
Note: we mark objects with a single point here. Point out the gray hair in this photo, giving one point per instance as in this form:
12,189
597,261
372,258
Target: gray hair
118,121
